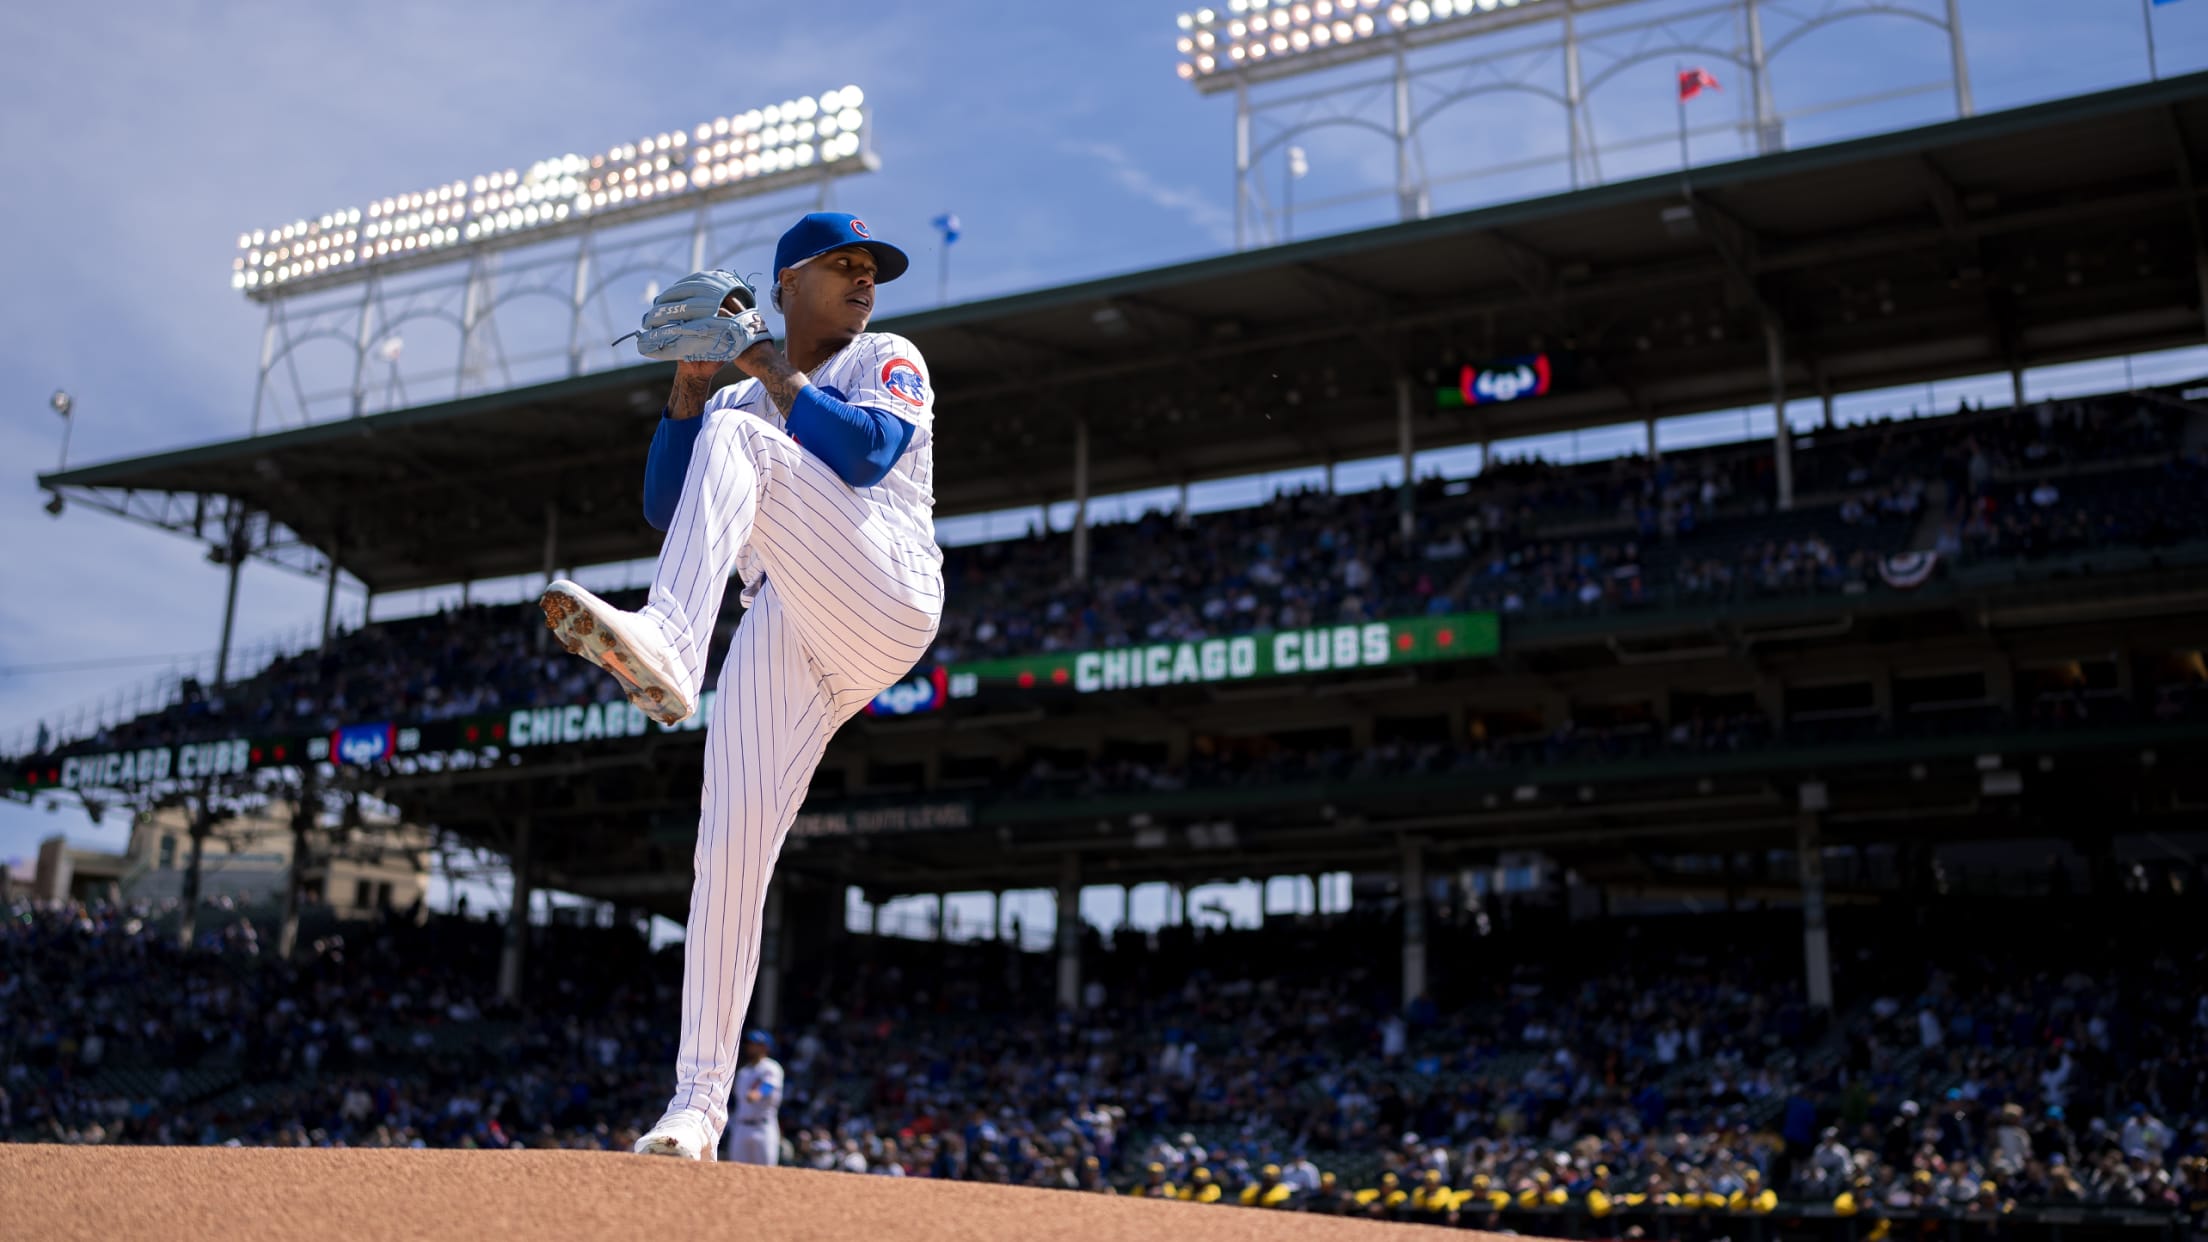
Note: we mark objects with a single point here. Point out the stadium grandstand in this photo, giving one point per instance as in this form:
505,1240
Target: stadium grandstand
1791,836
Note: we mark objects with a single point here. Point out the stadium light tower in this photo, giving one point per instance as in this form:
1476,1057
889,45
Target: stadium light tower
61,403
460,250
1275,57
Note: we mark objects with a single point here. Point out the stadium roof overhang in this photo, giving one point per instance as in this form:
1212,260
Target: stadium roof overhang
2059,232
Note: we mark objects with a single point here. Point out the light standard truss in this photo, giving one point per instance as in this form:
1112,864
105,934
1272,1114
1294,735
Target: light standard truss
497,319
1405,66
510,279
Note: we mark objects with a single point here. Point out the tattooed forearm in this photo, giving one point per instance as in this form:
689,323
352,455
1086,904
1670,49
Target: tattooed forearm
774,373
688,397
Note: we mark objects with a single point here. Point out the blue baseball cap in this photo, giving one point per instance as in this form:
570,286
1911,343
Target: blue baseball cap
822,231
760,1038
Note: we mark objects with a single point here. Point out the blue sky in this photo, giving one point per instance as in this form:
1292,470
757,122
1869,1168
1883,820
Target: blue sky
142,137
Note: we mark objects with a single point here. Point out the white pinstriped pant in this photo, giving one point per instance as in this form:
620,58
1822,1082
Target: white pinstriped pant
851,600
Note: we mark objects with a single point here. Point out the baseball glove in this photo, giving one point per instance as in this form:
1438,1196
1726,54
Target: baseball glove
689,322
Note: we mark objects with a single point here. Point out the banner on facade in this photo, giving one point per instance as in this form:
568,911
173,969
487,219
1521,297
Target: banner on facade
873,820
1243,657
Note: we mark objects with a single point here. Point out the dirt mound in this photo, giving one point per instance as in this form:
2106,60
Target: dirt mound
120,1194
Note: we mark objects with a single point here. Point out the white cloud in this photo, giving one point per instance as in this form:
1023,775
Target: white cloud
1215,221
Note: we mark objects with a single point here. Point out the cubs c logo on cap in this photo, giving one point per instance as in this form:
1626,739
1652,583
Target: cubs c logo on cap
859,227
902,378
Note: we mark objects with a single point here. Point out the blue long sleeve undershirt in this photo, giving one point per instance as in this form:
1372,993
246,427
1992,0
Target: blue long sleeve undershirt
667,465
860,443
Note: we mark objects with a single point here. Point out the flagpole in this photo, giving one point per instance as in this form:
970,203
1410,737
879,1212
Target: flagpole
943,276
1679,96
2146,18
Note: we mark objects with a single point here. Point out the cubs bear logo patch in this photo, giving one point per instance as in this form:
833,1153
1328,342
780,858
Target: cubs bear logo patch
901,376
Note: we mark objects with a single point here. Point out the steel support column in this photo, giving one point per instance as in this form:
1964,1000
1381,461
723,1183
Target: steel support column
329,597
203,823
234,550
363,335
1816,945
766,1005
1961,63
1407,195
551,539
1414,920
472,308
1774,342
303,823
1241,166
513,957
578,301
1069,933
1081,499
268,363
1407,502
1574,101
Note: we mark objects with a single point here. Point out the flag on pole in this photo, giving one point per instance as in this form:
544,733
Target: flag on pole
1693,82
947,225
2159,3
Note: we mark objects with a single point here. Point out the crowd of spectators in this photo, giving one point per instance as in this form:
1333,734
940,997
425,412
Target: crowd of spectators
1272,762
1524,538
1535,537
1985,1059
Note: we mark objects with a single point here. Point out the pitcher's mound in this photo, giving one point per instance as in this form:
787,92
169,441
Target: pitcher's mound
120,1194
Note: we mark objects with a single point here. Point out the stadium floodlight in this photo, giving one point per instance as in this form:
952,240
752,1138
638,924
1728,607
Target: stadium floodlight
665,171
1219,46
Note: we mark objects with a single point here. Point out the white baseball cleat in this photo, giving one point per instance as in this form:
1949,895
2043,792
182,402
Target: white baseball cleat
622,643
681,1134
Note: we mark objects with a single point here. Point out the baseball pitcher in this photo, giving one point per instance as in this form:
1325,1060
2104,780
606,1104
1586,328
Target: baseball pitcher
813,480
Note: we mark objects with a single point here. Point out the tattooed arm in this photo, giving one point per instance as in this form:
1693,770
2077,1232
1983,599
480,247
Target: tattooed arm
860,443
767,363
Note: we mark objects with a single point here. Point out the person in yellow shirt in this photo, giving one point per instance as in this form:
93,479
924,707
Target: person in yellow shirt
1268,1190
1754,1196
1200,1188
1488,1194
1695,1192
1542,1191
1091,1176
1643,1197
1330,1199
1600,1201
1154,1185
1385,1198
1430,1195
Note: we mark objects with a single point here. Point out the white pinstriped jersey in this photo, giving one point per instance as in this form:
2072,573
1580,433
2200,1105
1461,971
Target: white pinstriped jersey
882,371
845,586
766,1075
